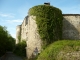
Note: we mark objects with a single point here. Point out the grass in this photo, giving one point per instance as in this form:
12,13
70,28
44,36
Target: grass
60,50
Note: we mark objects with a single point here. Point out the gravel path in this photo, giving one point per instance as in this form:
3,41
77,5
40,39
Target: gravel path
10,56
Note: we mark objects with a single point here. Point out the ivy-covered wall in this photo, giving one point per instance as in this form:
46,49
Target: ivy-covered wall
49,22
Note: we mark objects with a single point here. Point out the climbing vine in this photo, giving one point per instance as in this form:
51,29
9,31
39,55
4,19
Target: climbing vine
49,22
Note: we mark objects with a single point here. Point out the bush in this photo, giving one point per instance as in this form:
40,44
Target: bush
62,50
20,49
49,23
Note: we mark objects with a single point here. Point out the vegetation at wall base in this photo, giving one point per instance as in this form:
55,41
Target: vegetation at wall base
49,23
20,49
62,50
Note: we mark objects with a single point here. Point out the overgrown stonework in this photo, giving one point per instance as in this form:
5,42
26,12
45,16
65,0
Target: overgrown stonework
29,31
49,23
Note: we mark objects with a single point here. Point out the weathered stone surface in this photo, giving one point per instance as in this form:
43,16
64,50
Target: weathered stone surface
21,30
24,28
30,34
71,27
33,41
18,33
72,55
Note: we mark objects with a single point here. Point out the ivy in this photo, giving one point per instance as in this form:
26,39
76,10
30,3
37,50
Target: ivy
49,22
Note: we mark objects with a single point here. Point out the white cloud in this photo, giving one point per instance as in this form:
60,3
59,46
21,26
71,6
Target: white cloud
14,21
6,15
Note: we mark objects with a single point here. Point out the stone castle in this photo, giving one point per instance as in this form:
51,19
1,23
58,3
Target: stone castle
28,32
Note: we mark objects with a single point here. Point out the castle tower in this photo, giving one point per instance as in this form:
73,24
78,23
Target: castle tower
18,33
35,35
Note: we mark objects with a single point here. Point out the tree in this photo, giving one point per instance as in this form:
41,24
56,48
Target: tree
20,49
6,41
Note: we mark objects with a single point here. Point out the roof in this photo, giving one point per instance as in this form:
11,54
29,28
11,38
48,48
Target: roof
71,14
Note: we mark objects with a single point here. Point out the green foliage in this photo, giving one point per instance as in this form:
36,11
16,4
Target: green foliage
19,38
49,22
20,49
53,50
6,41
10,44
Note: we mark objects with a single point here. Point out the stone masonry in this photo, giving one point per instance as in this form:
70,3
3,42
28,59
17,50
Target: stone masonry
33,38
71,26
28,32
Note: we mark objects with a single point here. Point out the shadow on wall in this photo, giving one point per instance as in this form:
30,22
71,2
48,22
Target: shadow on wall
70,30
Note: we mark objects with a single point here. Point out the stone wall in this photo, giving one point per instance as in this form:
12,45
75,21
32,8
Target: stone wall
24,28
18,33
28,31
33,41
70,55
71,26
21,30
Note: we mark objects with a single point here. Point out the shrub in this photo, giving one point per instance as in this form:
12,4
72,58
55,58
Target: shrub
20,49
62,50
49,23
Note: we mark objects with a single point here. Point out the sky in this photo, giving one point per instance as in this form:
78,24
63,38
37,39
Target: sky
13,12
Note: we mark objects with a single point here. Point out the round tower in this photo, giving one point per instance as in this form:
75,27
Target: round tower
18,33
44,27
